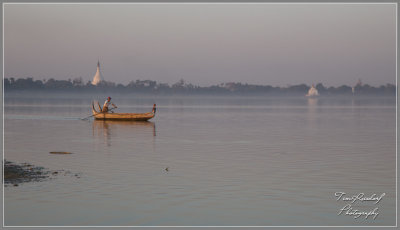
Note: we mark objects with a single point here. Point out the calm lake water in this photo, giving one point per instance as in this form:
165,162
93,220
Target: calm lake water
262,161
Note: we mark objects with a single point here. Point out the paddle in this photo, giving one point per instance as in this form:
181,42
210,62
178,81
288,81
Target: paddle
94,115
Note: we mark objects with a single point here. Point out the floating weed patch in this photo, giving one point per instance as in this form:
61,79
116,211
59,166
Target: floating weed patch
15,174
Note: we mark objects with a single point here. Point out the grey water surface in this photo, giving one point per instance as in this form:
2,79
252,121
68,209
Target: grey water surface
202,161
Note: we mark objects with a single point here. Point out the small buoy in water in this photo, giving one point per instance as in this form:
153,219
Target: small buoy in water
60,152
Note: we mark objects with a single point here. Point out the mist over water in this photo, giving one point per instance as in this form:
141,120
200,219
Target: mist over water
203,160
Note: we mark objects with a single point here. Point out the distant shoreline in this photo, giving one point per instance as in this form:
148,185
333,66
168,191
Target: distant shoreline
183,88
46,93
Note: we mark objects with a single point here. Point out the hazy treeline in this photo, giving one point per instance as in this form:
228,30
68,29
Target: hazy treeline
181,87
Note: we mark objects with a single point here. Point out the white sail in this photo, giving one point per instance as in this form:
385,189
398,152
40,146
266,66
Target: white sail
97,77
312,92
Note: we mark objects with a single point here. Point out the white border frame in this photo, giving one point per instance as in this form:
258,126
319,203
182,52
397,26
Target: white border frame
203,3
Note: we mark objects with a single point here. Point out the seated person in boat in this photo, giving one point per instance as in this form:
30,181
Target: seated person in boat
106,104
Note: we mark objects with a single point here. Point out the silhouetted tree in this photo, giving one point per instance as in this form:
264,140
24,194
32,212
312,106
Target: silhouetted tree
321,88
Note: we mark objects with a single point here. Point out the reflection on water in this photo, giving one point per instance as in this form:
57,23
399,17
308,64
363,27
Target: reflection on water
111,129
312,111
312,102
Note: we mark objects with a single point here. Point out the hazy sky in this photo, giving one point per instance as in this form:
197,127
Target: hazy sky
269,44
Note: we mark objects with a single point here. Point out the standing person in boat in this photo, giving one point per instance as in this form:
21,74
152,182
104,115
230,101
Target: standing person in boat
106,104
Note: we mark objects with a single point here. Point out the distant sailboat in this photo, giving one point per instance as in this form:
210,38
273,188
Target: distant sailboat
97,77
312,92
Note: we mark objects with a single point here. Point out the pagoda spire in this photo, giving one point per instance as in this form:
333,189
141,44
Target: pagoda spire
98,76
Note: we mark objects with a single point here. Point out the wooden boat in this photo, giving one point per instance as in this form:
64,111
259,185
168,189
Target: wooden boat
122,116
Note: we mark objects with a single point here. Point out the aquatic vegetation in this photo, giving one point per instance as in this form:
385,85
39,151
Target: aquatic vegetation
15,174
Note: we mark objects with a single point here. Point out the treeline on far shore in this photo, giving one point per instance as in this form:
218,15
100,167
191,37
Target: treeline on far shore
181,87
